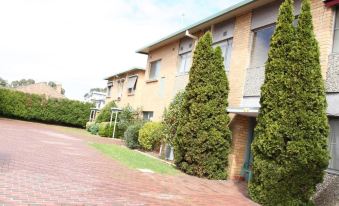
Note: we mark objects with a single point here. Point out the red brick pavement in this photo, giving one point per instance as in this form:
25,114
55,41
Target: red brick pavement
40,165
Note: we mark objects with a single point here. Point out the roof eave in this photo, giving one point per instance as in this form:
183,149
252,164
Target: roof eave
124,72
145,50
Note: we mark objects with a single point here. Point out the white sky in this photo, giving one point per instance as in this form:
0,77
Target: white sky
79,42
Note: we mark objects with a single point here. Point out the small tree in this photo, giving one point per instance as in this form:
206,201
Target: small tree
171,118
203,139
105,113
290,145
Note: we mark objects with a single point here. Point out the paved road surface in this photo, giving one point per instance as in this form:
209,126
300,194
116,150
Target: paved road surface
44,165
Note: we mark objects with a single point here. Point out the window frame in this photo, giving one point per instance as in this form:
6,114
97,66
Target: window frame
229,47
335,29
109,88
131,91
254,31
149,117
332,170
157,73
186,69
120,88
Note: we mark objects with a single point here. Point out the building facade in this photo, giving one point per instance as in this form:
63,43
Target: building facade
97,98
243,32
42,88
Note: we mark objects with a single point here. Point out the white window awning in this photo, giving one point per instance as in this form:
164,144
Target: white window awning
110,84
131,82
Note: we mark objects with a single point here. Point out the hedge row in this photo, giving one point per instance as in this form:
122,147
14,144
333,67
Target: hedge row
19,105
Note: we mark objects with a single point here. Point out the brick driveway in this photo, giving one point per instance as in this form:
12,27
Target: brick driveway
43,165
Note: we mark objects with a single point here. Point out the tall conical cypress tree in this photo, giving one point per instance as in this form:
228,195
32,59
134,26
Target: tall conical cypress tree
289,174
269,144
306,128
203,139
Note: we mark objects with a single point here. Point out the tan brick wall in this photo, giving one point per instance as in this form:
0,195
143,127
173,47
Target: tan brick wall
240,58
323,22
239,127
151,98
239,64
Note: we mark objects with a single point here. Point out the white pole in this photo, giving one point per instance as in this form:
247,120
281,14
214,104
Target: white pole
115,122
110,121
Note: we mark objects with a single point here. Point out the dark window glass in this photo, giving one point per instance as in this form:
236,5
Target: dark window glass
261,45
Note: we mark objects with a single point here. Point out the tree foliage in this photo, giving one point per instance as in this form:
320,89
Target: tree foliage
203,138
290,145
22,82
3,82
171,118
105,113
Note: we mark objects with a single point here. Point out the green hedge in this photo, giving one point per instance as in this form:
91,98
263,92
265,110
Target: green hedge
19,105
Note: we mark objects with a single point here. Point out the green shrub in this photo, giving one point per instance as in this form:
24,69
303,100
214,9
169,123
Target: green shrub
290,146
19,105
203,139
131,135
126,117
171,118
94,128
105,113
150,135
105,130
88,125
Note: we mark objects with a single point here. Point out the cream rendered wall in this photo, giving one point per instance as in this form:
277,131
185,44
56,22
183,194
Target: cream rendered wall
133,100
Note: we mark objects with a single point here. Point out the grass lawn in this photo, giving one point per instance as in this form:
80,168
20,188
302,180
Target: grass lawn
135,160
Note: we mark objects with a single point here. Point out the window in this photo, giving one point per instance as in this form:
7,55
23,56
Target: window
261,45
147,115
185,62
334,144
120,88
226,48
336,32
132,84
154,70
109,88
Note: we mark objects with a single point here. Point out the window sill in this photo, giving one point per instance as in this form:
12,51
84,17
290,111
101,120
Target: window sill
181,74
132,94
151,81
332,171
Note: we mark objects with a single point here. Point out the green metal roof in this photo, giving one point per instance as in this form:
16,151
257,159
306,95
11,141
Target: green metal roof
218,14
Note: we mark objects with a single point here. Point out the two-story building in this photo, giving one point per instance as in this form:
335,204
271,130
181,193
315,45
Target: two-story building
243,32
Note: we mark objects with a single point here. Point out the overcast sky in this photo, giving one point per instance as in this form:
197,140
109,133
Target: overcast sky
79,42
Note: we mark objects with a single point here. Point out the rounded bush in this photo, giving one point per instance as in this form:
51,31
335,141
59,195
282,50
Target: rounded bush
88,125
94,128
150,135
131,136
105,130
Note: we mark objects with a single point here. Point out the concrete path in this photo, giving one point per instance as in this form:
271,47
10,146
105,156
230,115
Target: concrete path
49,165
